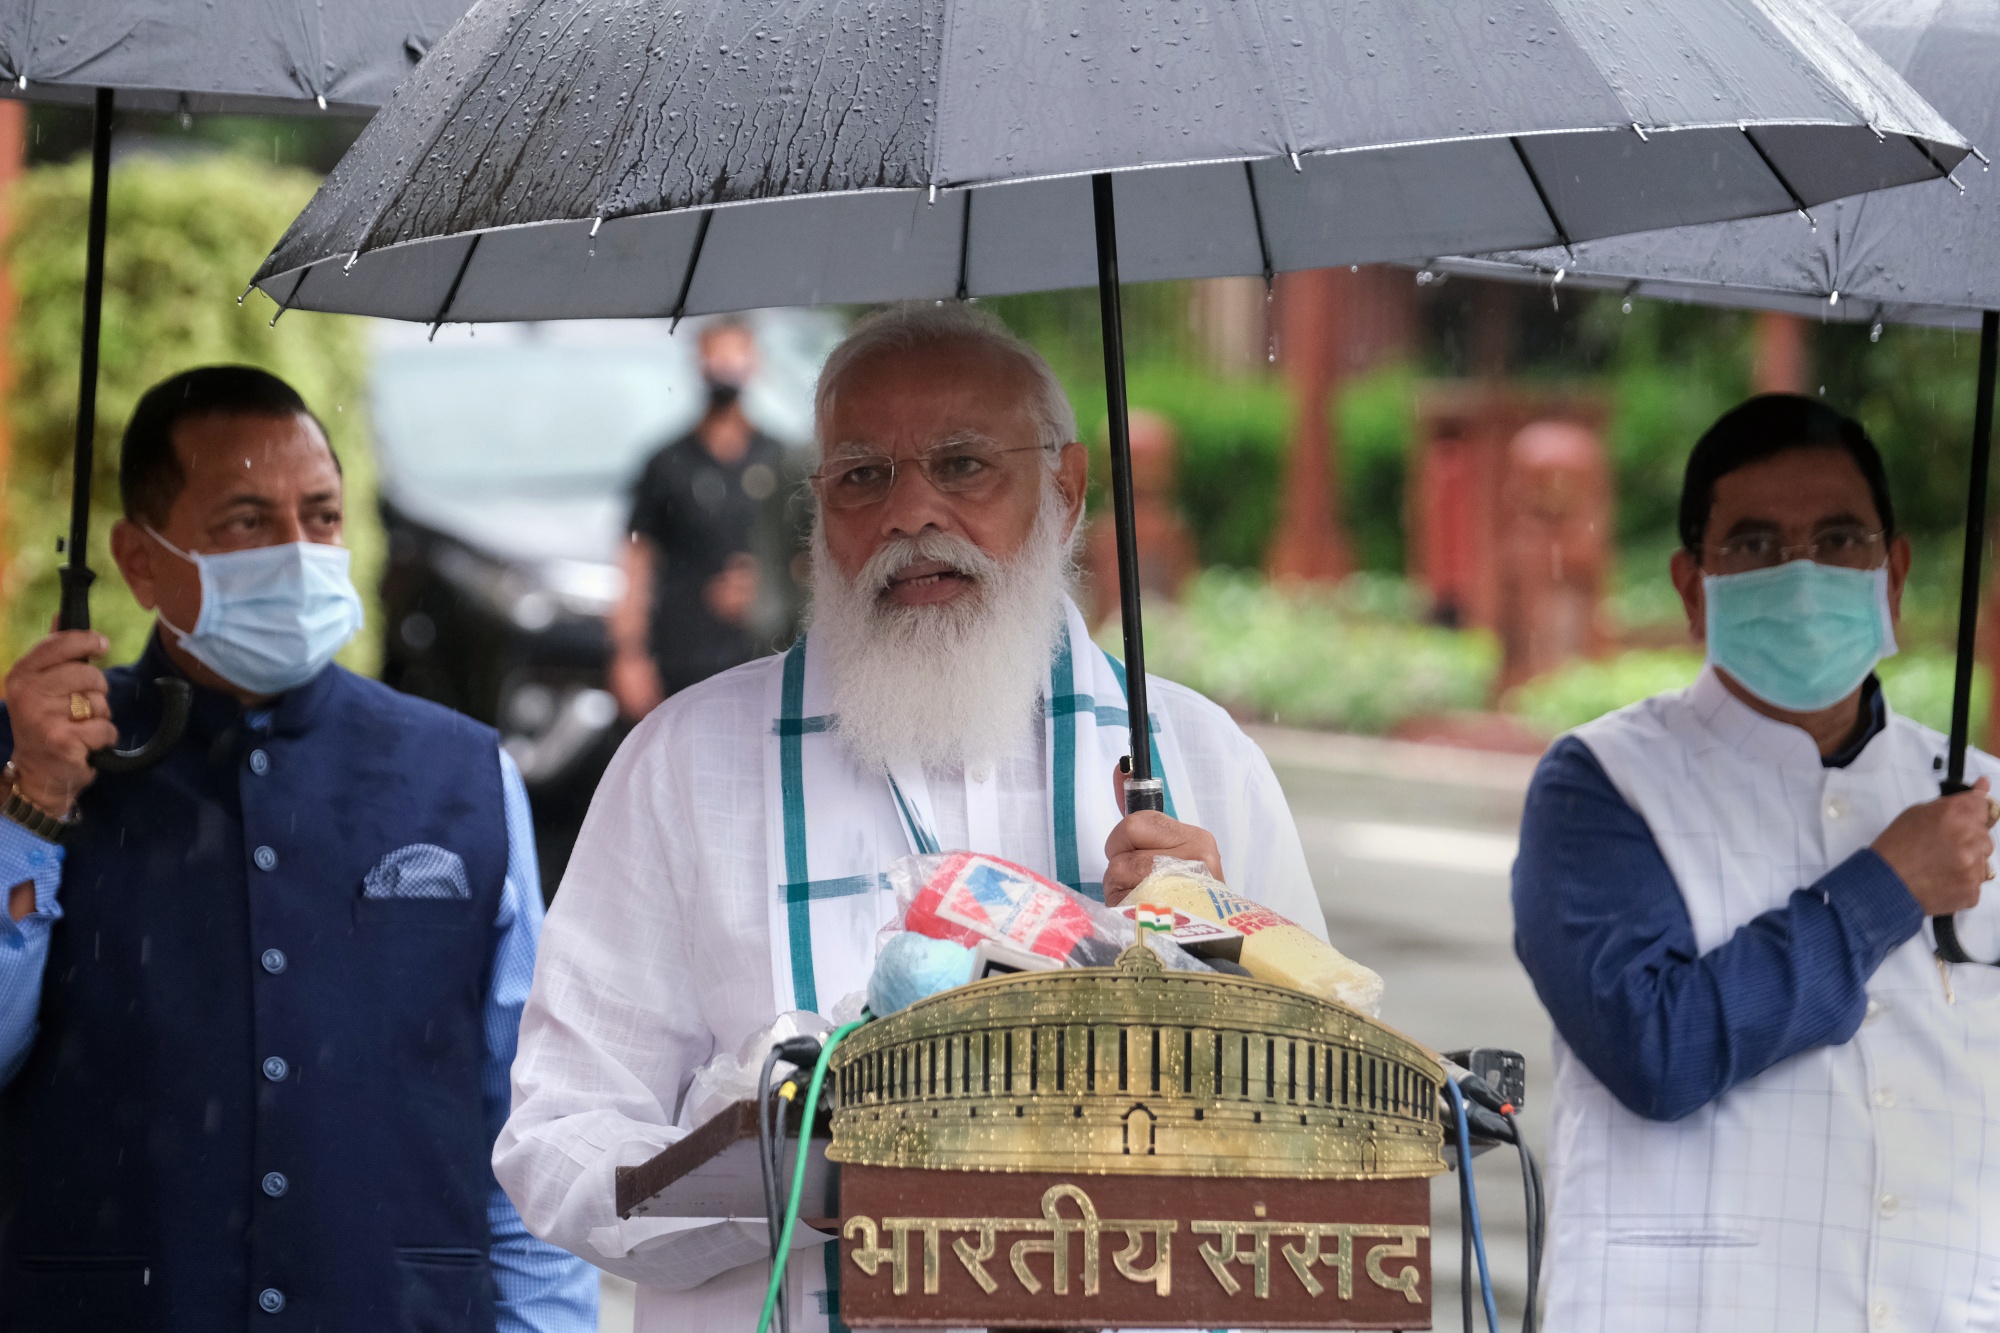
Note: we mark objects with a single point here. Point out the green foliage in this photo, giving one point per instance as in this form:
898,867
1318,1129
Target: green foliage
1355,658
1588,689
185,235
1672,370
1913,390
1376,419
1917,682
1233,429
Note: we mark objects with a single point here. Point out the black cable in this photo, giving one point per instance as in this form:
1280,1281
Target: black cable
770,1164
1531,1204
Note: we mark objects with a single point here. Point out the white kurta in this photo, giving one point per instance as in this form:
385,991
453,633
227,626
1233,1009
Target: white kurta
659,952
1849,1187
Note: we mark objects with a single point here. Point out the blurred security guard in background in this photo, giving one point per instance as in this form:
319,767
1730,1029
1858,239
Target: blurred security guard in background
1775,1107
258,1002
707,578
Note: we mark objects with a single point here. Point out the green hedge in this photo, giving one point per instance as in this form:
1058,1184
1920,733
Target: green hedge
185,234
1233,438
1917,681
1354,658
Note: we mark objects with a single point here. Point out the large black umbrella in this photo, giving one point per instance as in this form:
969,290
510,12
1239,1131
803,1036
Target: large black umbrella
249,57
566,158
1926,254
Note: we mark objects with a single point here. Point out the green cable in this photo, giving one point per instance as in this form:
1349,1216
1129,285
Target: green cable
833,1039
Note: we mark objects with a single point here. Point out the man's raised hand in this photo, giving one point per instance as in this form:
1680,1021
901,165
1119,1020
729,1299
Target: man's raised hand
1940,849
1142,838
52,744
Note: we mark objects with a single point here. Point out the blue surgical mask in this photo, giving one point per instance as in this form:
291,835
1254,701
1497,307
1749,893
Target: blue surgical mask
1800,636
272,617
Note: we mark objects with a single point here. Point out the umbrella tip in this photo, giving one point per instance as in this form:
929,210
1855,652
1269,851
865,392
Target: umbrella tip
933,198
1985,162
1295,161
248,287
352,259
1640,130
21,84
320,98
595,223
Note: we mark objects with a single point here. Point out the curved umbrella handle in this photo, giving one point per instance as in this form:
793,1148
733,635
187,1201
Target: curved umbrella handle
175,700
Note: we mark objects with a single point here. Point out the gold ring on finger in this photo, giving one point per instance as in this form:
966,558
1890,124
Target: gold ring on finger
80,711
1992,812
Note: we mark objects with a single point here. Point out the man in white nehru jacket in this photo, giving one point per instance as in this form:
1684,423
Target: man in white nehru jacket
1777,1099
947,694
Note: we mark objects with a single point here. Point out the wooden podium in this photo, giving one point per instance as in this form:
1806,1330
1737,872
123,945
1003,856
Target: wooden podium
1105,1148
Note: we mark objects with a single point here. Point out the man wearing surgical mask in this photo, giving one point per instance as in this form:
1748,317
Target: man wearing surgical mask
714,529
1776,1106
258,1001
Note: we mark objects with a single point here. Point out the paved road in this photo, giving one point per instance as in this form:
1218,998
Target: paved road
1410,847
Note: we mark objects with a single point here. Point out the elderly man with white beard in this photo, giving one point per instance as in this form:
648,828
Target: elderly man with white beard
947,695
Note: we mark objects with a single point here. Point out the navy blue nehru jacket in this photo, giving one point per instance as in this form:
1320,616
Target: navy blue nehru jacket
158,1169
1601,928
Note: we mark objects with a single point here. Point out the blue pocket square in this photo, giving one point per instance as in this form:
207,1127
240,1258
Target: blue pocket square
421,870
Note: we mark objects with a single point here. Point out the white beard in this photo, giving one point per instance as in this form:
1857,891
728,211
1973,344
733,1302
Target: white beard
955,683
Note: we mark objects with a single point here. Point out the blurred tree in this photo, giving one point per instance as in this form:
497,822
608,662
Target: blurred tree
185,235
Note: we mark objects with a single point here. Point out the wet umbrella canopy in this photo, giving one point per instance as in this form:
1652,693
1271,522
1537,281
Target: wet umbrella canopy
229,56
558,158
237,57
1926,254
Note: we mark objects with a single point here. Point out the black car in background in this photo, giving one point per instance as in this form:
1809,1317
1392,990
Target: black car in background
506,461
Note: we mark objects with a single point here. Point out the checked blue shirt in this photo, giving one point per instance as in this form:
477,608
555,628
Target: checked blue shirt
541,1288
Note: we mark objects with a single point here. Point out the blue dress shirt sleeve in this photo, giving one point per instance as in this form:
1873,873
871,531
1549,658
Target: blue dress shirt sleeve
24,944
1601,928
542,1289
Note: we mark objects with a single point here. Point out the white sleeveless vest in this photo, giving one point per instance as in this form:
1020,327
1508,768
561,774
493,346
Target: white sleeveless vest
1850,1187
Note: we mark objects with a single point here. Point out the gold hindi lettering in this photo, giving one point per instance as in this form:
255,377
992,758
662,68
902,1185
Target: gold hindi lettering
1317,1244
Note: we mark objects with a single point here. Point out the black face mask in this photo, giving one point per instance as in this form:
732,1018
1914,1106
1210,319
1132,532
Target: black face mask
722,395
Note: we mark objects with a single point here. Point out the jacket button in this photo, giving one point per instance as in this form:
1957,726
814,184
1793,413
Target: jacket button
265,858
273,961
1889,1203
275,1068
275,1183
1873,1014
260,763
1885,1097
270,1300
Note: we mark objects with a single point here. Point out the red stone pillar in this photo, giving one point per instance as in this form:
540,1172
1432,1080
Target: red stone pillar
1781,361
1311,542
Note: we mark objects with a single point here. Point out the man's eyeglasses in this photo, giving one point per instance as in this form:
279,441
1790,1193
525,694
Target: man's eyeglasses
970,469
1846,546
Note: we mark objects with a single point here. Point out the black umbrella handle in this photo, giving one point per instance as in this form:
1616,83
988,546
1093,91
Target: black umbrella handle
175,699
76,574
1948,947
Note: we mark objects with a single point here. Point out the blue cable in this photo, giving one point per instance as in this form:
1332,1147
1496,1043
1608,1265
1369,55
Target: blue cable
1471,1219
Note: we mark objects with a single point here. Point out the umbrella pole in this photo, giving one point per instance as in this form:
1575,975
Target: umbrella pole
1143,789
76,574
1948,947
